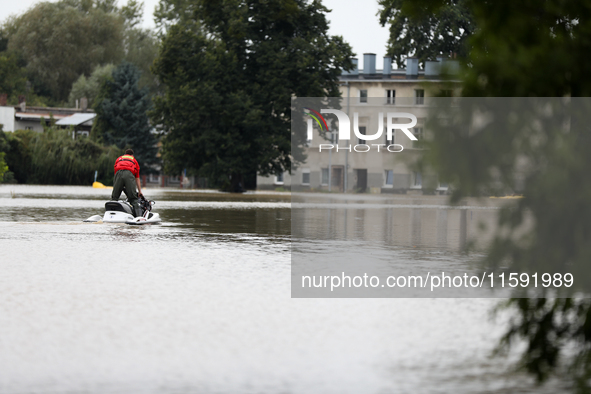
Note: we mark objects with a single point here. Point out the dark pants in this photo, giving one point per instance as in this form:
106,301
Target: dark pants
125,182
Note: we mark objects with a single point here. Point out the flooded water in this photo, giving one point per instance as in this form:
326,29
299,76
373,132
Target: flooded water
202,304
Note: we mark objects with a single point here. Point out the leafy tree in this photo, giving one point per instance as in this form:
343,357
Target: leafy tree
509,56
171,12
141,45
13,80
141,49
226,110
122,118
60,41
417,32
90,87
12,76
132,12
3,40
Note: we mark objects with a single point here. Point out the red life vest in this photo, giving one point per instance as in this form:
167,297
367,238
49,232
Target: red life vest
127,162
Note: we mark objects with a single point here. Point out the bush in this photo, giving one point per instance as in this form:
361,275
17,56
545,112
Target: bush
3,167
9,177
54,157
18,154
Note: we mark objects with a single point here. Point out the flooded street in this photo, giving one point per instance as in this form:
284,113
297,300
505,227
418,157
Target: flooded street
202,303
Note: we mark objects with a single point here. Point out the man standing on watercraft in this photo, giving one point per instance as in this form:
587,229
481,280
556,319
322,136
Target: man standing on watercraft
127,179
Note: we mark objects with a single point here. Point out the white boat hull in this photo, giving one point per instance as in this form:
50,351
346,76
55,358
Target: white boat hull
122,217
148,218
120,212
117,217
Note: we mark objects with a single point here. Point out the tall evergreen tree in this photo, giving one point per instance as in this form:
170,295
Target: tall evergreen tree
227,107
122,118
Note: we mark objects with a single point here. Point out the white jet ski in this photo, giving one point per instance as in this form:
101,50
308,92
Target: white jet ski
122,212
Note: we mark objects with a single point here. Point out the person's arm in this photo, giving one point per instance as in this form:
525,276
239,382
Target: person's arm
139,187
137,179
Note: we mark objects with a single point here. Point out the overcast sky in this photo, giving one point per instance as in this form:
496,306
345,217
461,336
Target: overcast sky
355,20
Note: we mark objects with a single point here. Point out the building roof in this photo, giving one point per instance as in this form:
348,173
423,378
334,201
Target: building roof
435,70
76,119
29,113
36,116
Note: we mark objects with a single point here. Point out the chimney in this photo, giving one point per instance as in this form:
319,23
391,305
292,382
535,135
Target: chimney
3,99
83,104
387,66
432,68
369,63
451,67
355,70
412,67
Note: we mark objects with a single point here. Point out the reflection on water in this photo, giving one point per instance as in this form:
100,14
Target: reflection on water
383,236
426,221
202,304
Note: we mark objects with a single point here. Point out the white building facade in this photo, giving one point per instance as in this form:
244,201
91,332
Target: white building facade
367,93
23,117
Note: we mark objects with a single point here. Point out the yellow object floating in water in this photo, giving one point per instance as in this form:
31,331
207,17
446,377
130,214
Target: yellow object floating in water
98,185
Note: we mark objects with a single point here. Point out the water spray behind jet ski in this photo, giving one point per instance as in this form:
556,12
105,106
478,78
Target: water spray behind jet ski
122,212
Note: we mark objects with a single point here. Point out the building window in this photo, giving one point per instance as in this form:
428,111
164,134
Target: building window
324,179
389,178
419,96
334,137
305,176
153,178
418,133
417,180
390,142
390,96
363,96
279,179
362,131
